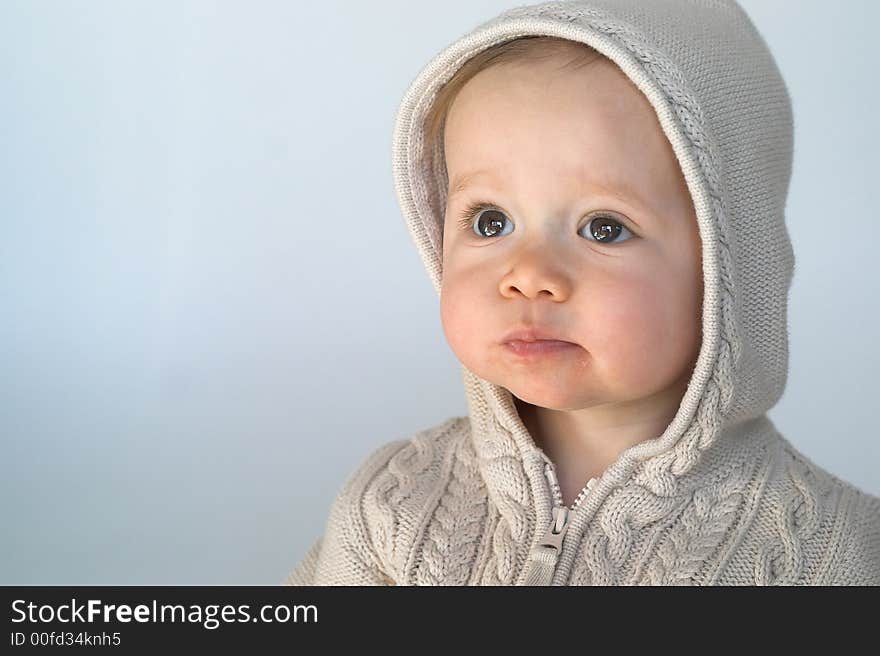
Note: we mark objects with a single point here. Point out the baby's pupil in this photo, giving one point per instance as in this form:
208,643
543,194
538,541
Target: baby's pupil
608,229
496,221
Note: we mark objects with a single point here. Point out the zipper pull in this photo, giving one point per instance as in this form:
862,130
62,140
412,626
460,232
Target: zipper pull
556,530
542,562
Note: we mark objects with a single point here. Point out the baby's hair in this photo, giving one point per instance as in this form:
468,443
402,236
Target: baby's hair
535,47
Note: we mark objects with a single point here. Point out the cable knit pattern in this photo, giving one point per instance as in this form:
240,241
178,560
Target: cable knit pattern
700,530
404,479
608,545
780,560
721,497
456,525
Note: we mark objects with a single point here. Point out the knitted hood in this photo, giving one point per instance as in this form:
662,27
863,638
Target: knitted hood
723,106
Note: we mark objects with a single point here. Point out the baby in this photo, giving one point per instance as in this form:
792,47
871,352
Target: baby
597,190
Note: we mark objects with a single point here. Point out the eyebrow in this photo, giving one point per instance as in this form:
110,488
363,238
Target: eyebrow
620,190
461,182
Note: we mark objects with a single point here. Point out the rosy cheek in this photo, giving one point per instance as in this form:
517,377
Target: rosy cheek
454,312
626,317
629,330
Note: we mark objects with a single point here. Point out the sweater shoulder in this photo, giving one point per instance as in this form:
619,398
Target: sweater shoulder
857,557
398,485
361,533
835,523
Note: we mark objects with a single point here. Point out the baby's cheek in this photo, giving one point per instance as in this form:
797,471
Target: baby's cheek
635,336
456,314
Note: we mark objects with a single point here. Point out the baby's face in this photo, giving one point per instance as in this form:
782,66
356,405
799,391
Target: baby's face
591,234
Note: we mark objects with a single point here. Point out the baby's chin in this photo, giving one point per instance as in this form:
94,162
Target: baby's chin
548,402
563,391
552,395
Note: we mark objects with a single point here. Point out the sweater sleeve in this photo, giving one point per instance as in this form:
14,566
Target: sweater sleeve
860,544
344,554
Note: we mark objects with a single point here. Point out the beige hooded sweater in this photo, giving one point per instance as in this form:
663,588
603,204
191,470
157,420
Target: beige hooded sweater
721,497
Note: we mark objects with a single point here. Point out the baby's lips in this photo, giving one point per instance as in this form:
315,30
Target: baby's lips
533,333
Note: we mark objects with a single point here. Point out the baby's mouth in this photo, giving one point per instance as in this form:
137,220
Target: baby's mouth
539,347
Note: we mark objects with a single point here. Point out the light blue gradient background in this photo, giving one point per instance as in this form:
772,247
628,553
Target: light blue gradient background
210,309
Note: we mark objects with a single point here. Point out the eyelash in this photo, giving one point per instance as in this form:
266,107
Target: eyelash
467,216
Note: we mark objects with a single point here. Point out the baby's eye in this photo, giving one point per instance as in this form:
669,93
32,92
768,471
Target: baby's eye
485,221
606,230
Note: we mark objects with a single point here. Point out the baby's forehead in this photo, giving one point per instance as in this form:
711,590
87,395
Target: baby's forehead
574,129
539,96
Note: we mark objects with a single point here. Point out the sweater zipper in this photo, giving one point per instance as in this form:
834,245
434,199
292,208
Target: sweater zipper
545,555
